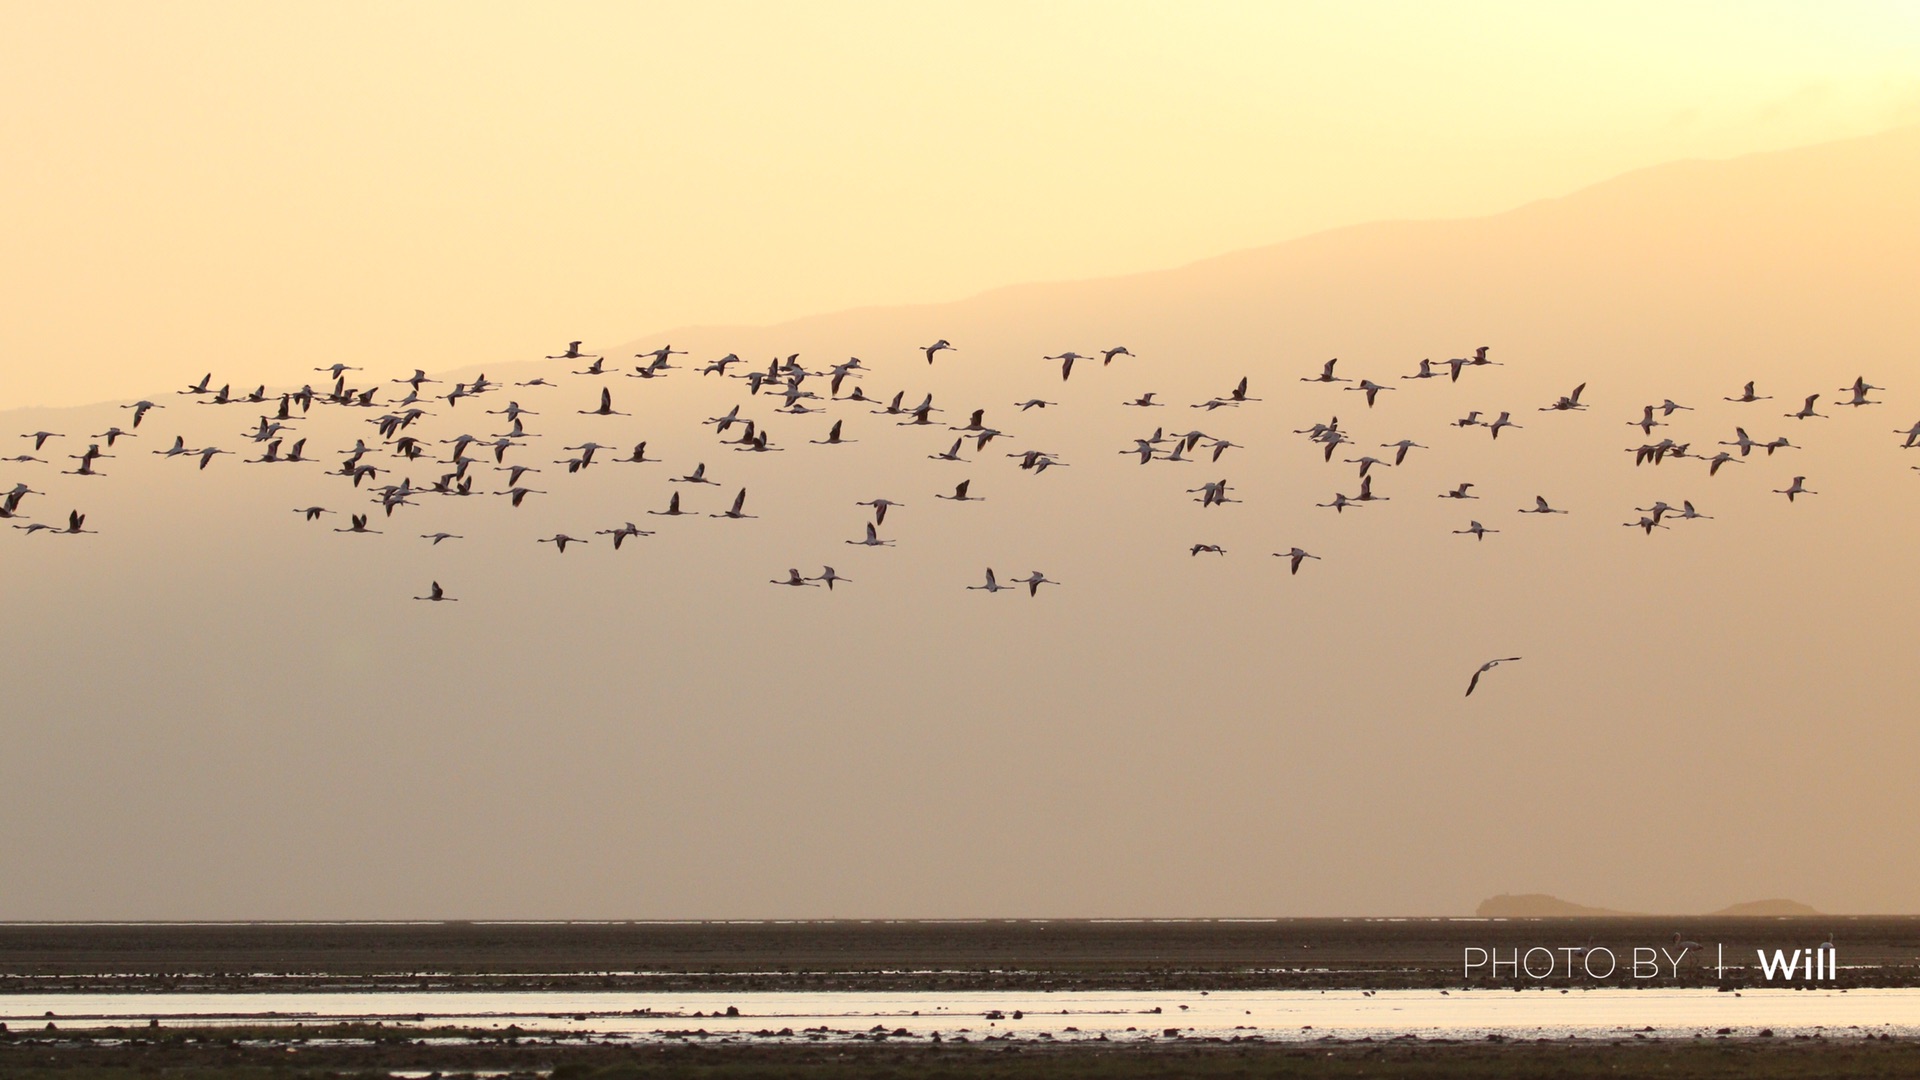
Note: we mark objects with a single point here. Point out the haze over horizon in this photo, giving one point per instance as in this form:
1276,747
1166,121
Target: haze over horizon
215,710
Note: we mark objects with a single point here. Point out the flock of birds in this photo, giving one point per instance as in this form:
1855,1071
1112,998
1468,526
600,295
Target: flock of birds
397,408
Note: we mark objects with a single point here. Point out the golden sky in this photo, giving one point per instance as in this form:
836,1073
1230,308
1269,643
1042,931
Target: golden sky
207,681
263,188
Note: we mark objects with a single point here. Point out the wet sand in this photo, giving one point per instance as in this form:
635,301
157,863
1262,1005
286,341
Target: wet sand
387,1052
874,956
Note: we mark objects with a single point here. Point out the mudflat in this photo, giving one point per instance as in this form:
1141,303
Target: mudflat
925,955
247,1054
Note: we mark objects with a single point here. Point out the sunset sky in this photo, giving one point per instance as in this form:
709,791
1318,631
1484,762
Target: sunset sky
265,188
1649,200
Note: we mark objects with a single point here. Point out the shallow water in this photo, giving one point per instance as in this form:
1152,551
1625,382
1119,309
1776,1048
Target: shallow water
1290,1015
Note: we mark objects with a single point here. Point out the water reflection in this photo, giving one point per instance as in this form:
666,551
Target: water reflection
1091,1015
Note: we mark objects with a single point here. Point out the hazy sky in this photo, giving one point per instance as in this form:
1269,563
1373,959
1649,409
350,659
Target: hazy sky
212,708
268,187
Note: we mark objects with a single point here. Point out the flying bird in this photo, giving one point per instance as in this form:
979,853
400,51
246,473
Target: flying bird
1484,668
739,501
991,586
1296,556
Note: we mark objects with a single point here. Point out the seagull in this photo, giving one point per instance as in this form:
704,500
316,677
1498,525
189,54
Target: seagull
936,347
793,578
560,541
828,577
1296,556
960,494
739,501
439,536
1540,507
991,586
1484,668
873,538
1747,395
1798,488
1476,530
436,594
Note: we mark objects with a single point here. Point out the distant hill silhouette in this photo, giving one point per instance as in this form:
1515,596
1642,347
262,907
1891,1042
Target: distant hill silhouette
1543,906
1767,909
1537,906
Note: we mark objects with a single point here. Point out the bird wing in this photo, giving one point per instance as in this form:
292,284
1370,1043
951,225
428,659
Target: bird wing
1473,682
